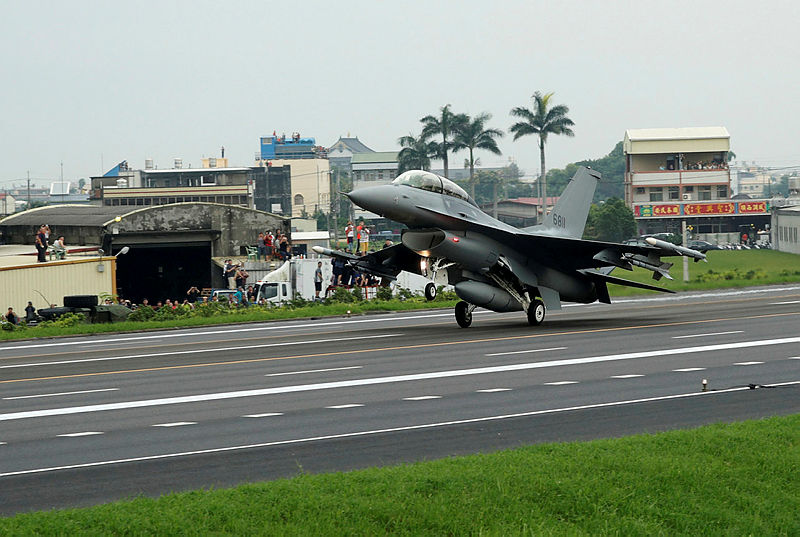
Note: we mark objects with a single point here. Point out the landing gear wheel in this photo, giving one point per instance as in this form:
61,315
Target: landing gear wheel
463,314
430,291
536,312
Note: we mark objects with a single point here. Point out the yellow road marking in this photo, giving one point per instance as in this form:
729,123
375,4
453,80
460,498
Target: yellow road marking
399,347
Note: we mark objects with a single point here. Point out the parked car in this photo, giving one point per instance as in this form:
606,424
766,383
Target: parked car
703,246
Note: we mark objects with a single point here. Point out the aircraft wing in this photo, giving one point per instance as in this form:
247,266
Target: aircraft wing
385,263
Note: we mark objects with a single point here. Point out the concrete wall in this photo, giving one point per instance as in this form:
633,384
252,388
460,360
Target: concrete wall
238,226
785,230
19,284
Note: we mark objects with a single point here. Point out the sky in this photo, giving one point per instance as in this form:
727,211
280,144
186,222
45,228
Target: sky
91,83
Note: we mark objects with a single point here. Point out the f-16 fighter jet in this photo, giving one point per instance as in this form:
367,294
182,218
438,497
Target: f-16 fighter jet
494,265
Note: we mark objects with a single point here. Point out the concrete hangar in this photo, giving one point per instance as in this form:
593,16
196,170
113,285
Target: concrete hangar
172,247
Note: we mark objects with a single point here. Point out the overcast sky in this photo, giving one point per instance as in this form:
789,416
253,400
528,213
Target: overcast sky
94,83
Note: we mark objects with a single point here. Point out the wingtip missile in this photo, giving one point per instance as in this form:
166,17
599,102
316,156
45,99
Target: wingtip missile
680,250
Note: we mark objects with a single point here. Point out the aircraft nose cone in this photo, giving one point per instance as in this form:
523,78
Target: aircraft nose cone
370,199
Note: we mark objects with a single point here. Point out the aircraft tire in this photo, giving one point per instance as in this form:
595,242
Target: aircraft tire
463,315
430,291
536,312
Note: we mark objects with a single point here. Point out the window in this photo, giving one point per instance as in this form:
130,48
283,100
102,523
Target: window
656,194
688,189
674,193
298,199
704,193
640,190
722,192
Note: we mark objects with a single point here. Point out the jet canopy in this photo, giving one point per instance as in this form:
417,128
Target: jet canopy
433,183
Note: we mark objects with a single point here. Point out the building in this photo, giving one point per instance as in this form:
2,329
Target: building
681,175
7,204
340,154
310,171
172,246
519,212
265,188
785,229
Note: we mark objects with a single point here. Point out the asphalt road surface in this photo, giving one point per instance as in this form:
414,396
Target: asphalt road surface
93,419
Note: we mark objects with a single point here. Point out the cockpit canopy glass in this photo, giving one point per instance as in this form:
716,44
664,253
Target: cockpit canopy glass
432,182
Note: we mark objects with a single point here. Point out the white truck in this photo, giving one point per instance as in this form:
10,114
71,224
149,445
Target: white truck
276,286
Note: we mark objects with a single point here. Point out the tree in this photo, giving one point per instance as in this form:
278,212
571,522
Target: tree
472,134
445,124
542,121
611,166
610,221
416,153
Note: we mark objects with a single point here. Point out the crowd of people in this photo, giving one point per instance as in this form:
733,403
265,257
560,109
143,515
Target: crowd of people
271,245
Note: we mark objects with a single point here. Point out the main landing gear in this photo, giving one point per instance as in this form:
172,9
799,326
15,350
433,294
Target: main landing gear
430,291
536,312
464,314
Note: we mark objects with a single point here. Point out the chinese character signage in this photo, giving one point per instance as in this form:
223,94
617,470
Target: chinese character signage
666,210
708,208
749,207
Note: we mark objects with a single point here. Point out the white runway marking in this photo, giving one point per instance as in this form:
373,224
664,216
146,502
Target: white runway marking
373,432
393,379
175,424
59,394
709,334
75,435
561,383
313,371
265,415
632,376
199,351
422,398
338,407
748,363
689,369
494,390
525,351
794,358
786,302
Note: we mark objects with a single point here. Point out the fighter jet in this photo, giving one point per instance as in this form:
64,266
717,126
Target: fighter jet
492,264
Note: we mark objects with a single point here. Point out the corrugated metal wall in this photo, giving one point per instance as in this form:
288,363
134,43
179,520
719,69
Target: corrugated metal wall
20,284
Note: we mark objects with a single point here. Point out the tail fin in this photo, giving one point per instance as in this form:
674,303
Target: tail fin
568,217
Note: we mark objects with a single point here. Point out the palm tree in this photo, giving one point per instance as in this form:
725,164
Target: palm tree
445,124
543,120
472,134
416,153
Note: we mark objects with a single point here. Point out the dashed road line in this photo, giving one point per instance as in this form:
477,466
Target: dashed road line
75,435
525,351
709,334
748,363
59,394
175,424
631,376
339,407
561,383
494,390
422,398
313,371
264,415
689,369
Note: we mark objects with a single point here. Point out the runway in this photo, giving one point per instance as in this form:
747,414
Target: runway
93,419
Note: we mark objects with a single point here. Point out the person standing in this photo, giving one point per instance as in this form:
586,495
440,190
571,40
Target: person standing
192,294
41,245
261,247
318,280
363,241
348,231
30,312
229,272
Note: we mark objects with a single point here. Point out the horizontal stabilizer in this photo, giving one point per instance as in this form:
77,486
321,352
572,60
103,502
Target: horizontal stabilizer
599,276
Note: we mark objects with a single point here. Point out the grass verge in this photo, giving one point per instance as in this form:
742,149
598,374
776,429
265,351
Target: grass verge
726,268
736,479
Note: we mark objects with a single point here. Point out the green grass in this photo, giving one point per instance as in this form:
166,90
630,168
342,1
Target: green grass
725,268
728,268
737,479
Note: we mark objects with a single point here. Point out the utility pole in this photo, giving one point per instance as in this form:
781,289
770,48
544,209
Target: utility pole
335,208
29,190
685,244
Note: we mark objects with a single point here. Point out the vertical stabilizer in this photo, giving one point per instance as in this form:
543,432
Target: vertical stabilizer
568,217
